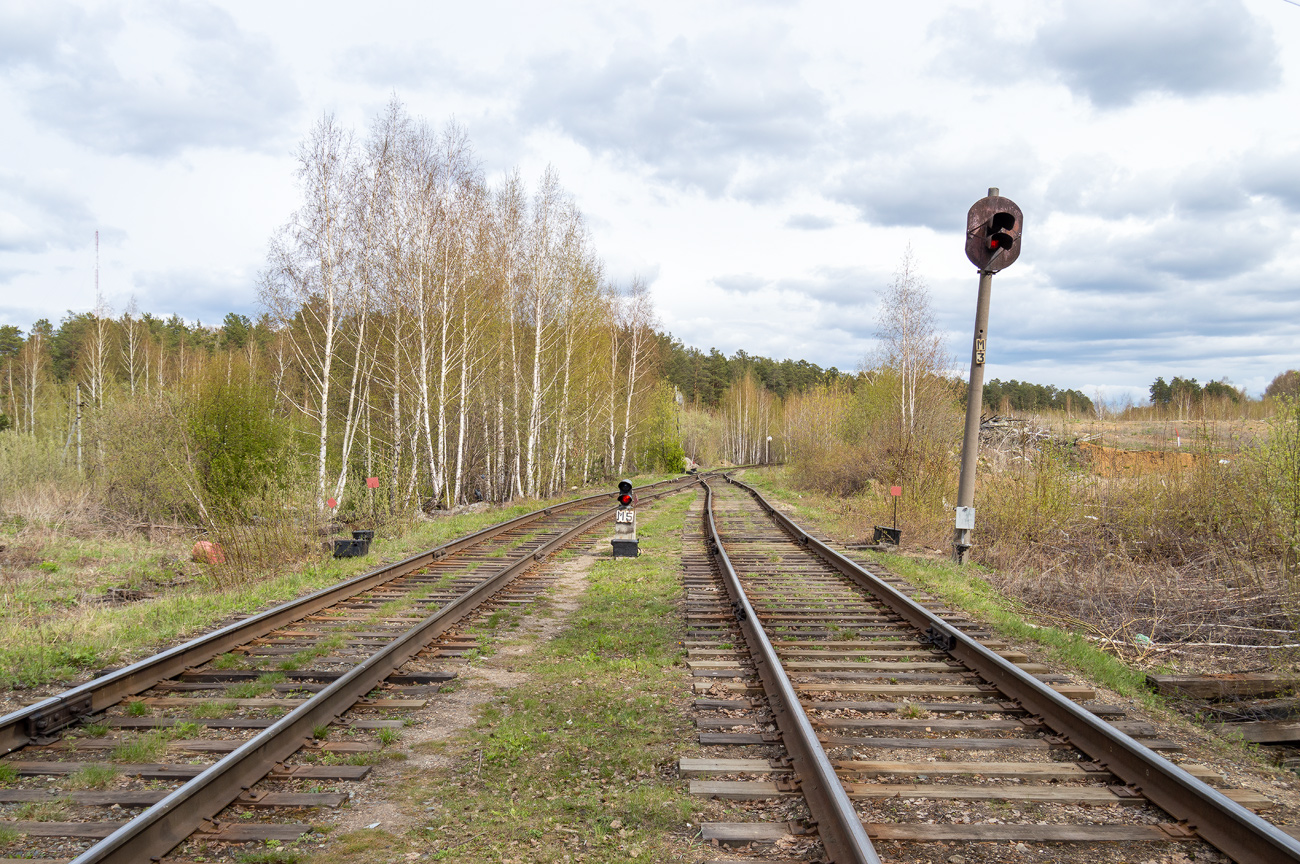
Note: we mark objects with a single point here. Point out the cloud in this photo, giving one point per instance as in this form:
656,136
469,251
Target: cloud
696,114
809,222
838,286
415,66
9,274
746,283
185,76
1115,52
922,189
1274,176
1112,53
204,295
36,218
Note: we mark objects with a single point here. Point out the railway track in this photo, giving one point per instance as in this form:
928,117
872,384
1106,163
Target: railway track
863,714
228,737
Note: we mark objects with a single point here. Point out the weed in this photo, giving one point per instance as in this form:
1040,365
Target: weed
229,660
137,709
43,811
186,729
389,736
264,684
8,774
92,777
8,835
321,732
148,747
95,730
270,856
594,757
209,710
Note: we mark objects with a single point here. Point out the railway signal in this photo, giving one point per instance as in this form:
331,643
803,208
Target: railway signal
993,228
625,541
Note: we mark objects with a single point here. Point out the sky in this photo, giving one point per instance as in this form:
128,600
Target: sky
763,165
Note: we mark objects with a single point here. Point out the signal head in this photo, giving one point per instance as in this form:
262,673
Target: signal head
993,228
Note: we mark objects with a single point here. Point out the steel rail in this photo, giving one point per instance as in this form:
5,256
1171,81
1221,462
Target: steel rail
837,822
158,830
1229,827
40,720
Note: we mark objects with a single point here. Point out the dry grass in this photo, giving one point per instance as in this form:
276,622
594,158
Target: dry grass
1185,564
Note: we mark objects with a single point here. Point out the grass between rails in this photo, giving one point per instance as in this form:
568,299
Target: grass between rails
965,588
48,633
578,762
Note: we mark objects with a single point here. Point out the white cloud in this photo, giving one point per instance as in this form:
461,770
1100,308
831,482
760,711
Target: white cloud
148,83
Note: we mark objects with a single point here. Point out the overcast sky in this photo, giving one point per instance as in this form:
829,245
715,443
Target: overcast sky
762,164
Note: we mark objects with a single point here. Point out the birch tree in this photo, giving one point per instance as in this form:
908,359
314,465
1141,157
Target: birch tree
910,346
308,273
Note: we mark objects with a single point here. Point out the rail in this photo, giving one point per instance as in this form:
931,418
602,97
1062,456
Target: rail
1231,828
185,810
841,830
40,720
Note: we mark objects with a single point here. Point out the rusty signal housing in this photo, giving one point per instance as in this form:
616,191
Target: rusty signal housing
993,228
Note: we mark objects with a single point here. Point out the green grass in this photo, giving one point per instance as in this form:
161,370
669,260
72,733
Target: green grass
212,710
96,730
8,835
264,684
137,709
43,811
270,856
71,637
148,747
323,648
389,736
93,777
965,588
592,762
229,660
8,774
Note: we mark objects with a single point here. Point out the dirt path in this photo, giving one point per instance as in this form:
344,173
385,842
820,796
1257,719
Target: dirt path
480,682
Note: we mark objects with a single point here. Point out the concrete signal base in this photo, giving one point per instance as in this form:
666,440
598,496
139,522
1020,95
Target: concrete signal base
625,542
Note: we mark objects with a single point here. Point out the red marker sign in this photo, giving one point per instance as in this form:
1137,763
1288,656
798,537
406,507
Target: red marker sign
372,482
895,491
331,503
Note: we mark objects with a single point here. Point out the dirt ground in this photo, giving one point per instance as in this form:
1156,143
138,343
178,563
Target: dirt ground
480,681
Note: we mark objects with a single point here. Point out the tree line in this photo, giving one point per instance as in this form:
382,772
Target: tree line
456,339
704,378
1022,396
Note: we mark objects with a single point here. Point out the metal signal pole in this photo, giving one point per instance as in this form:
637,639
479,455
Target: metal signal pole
993,228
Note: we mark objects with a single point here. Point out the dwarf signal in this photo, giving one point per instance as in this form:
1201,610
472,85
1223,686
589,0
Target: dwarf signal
625,540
